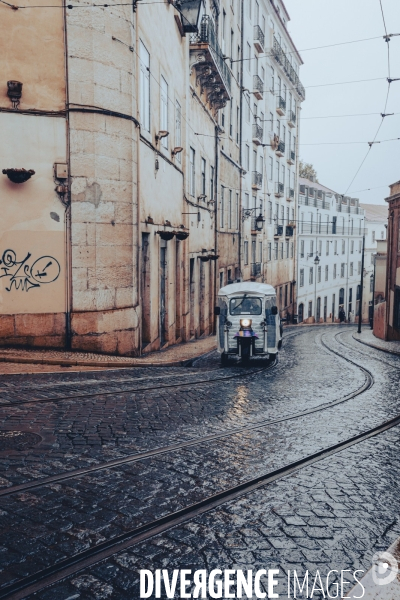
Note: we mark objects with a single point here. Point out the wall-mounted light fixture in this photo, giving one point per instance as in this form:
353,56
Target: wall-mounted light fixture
176,150
14,92
161,134
202,197
18,175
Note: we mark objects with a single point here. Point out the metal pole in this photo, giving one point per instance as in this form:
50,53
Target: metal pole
362,284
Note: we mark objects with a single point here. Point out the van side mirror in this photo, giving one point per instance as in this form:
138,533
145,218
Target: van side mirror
274,310
217,311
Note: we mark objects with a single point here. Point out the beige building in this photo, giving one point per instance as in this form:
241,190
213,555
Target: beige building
124,180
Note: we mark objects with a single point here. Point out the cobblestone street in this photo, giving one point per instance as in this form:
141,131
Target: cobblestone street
93,460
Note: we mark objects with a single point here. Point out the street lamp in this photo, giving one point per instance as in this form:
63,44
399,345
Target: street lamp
316,263
259,221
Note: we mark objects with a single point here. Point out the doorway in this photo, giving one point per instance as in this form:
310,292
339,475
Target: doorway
318,316
163,293
300,317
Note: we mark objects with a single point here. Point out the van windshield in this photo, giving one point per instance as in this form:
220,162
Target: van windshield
246,306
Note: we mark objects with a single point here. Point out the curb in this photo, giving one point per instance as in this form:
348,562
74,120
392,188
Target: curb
104,363
376,347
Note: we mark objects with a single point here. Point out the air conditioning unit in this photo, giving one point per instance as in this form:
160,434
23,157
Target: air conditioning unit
275,142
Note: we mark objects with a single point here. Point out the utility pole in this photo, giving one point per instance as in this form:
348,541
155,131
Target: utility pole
362,284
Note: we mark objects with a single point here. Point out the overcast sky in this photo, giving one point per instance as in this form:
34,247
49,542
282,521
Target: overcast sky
322,22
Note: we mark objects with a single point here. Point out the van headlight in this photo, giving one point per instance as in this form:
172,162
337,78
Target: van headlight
245,323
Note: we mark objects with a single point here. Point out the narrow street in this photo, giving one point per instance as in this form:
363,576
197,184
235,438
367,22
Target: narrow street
96,463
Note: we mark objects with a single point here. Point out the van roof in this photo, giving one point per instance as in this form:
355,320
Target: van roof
250,287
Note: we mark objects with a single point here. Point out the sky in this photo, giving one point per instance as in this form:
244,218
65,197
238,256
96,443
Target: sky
322,22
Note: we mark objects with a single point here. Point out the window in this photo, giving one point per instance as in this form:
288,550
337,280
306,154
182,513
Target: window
359,268
351,269
222,211
247,106
309,309
247,158
311,247
326,272
178,129
237,211
343,246
269,251
237,124
192,181
291,249
211,183
272,82
287,251
373,236
301,277
164,110
248,56
247,201
320,247
260,251
203,177
231,118
342,269
334,271
336,247
270,212
302,249
327,248
352,247
270,168
246,253
311,276
271,120
281,251
144,87
319,274
276,250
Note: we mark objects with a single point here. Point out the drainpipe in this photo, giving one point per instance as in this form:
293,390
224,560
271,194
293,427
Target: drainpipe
241,137
138,242
67,215
216,186
296,220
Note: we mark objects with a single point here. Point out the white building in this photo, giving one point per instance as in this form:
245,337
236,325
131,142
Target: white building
272,95
376,220
329,233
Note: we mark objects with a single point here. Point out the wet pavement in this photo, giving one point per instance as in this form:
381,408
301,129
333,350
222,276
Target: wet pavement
332,515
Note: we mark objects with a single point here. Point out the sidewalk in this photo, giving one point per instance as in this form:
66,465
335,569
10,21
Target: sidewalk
368,339
15,360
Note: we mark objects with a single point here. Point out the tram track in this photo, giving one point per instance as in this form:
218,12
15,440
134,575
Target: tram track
72,565
69,566
54,479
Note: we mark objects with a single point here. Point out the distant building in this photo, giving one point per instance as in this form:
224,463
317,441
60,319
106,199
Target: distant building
392,294
376,220
379,292
329,254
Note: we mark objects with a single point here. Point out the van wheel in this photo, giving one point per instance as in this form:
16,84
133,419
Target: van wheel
224,360
273,356
279,344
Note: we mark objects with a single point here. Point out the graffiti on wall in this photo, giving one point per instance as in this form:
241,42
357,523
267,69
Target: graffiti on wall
24,274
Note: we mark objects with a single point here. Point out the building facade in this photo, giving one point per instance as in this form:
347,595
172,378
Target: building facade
134,168
376,219
329,233
391,306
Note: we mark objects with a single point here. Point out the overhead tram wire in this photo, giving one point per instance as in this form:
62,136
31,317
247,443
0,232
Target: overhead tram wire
389,80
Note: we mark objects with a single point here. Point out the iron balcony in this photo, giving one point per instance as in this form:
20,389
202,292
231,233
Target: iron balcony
258,87
257,134
256,181
255,269
259,38
280,151
280,106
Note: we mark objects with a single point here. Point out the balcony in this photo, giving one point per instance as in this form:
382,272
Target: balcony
279,189
291,194
256,180
255,269
283,61
291,119
280,106
258,87
258,38
213,74
257,134
291,157
280,151
289,231
278,231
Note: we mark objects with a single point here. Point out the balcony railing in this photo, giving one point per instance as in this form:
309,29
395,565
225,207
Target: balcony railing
282,59
258,86
354,210
330,228
293,155
213,73
292,119
280,151
255,269
256,180
280,105
278,230
259,38
257,134
289,231
325,204
279,189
